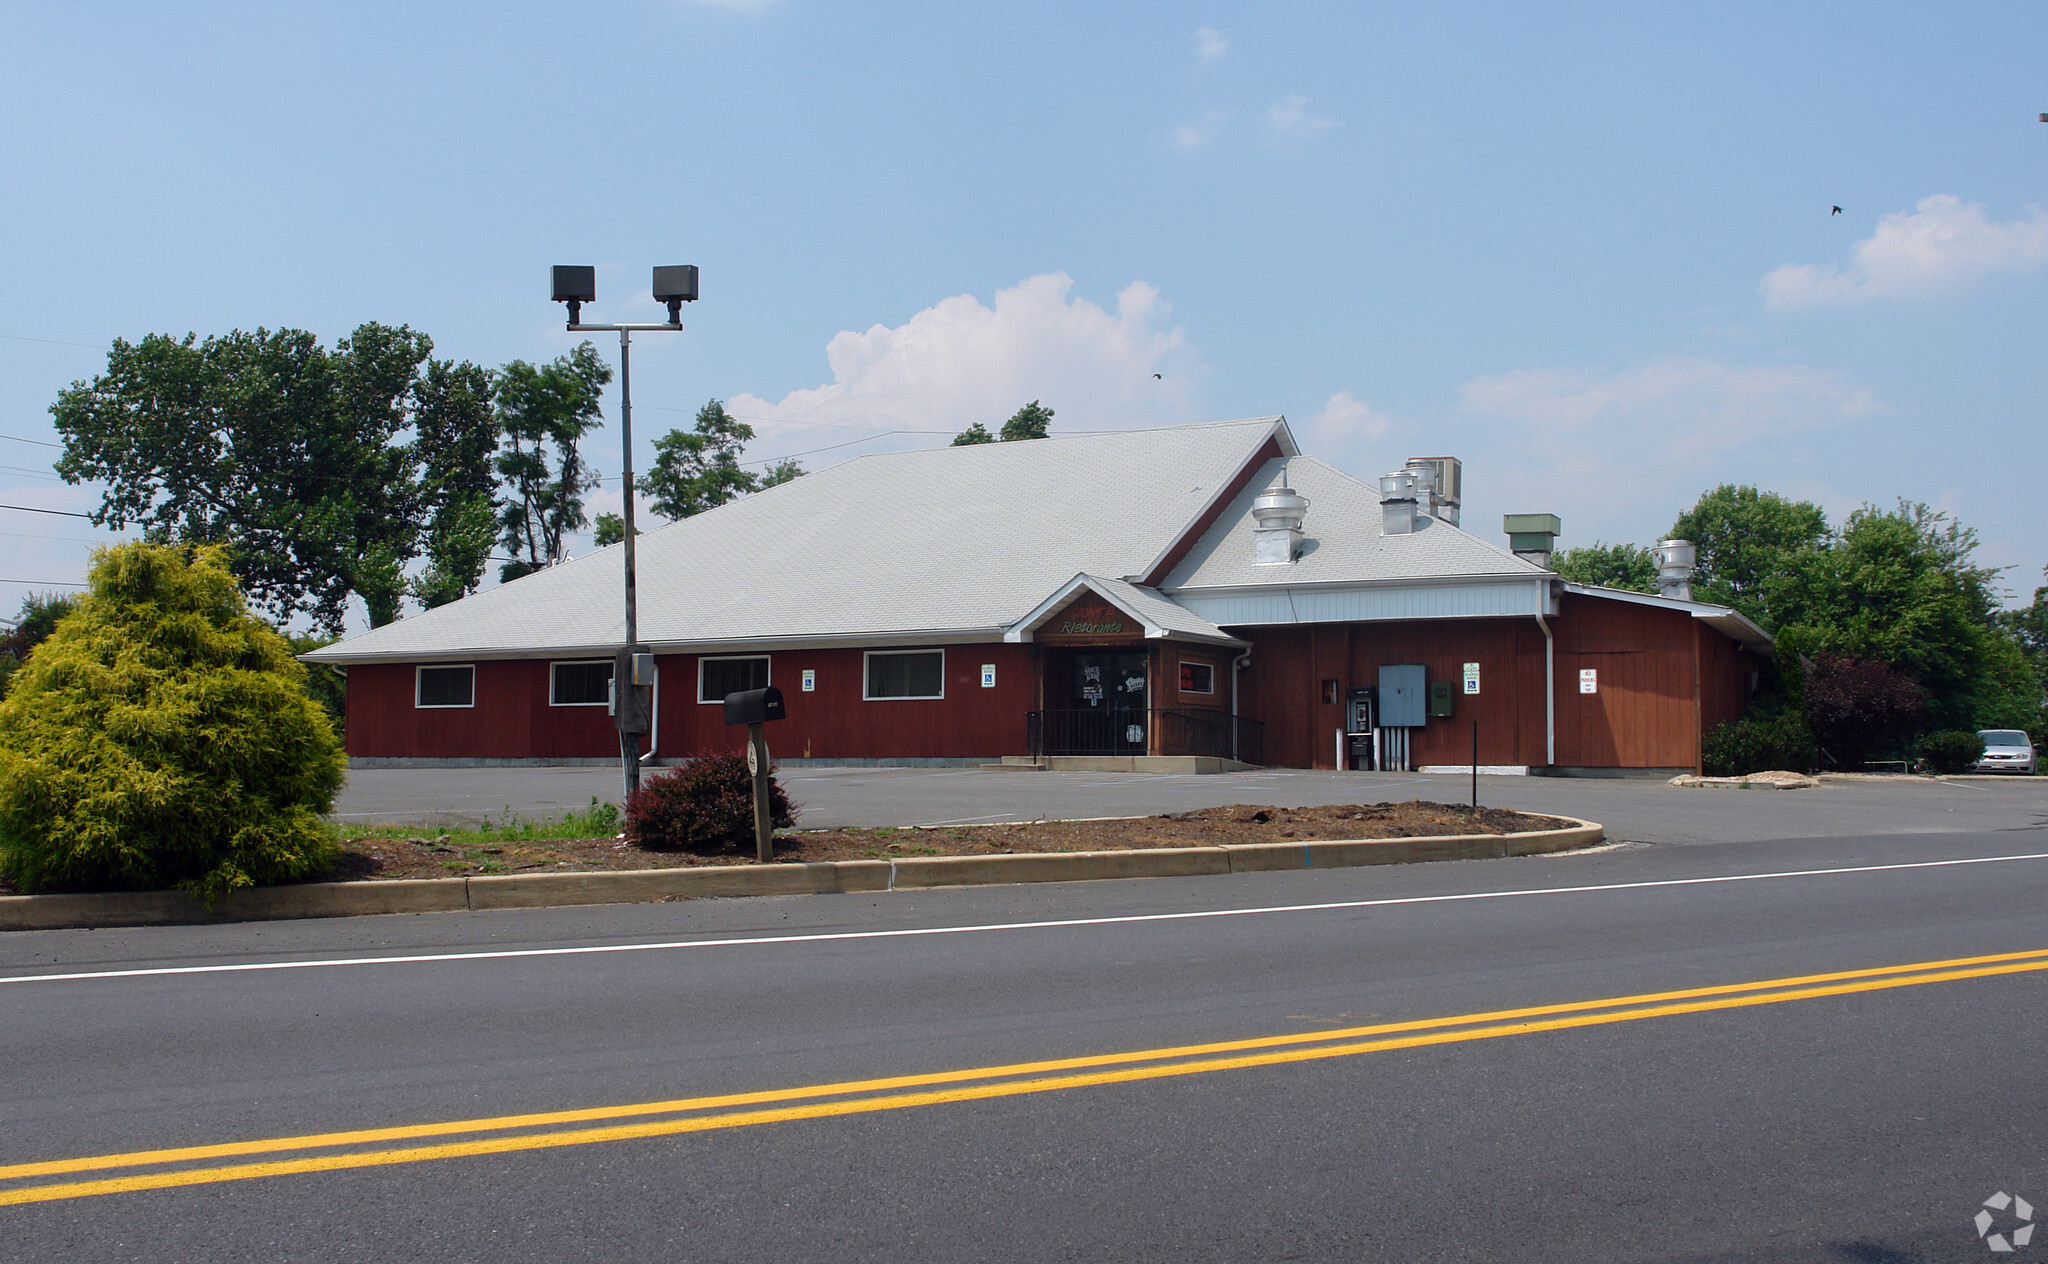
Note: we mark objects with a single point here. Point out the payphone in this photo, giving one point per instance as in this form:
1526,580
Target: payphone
1359,704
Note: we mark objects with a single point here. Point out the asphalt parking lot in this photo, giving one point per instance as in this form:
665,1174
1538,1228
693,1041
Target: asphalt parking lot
1635,810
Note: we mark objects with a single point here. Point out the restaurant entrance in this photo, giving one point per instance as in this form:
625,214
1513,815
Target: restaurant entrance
1109,701
1097,700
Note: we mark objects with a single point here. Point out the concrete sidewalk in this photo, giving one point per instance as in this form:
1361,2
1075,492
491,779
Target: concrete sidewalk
1632,810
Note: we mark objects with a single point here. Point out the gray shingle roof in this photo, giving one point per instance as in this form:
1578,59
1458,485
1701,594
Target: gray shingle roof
942,542
1342,540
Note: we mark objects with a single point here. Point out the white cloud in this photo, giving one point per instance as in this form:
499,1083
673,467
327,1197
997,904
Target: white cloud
1942,243
1344,420
1209,44
1623,451
960,361
1686,400
1189,136
1289,118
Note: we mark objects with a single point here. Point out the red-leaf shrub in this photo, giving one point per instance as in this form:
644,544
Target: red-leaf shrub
1857,707
704,805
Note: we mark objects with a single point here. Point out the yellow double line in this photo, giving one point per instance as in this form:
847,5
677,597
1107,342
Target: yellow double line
505,1134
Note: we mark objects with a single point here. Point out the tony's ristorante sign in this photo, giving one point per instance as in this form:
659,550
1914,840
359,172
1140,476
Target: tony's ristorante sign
1092,620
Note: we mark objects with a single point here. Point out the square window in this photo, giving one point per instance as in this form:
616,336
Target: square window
717,677
1197,677
915,674
581,684
445,687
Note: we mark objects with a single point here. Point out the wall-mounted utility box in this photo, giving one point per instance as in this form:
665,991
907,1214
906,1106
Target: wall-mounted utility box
1402,690
1442,698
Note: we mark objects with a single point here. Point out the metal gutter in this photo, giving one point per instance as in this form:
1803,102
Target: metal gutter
954,636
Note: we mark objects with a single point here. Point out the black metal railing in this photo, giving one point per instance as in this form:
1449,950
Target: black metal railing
1158,731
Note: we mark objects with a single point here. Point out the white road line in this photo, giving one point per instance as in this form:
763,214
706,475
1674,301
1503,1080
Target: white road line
915,932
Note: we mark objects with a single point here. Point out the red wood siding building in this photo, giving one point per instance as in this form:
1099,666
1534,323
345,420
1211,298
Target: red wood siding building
1184,579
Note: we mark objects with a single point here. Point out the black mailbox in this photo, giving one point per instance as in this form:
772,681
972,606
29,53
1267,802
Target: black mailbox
754,706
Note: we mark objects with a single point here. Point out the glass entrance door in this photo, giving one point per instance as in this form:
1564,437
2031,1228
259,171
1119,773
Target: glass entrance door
1109,701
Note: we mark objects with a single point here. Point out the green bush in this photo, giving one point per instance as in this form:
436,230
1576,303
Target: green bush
161,736
1758,743
1951,750
703,805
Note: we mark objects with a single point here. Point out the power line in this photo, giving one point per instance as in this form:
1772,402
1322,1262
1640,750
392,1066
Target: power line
41,443
56,342
70,539
45,583
62,513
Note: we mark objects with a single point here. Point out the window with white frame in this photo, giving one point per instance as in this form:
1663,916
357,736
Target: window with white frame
1197,676
905,674
717,677
584,684
445,686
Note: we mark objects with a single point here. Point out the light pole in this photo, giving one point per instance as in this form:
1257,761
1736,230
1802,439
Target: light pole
633,667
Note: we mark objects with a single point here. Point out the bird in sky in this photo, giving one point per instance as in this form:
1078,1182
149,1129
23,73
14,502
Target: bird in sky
1836,211
1157,378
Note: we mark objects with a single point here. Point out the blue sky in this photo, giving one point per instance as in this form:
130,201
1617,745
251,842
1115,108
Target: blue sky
1587,249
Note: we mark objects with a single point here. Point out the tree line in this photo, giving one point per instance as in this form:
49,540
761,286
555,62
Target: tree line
370,469
1888,631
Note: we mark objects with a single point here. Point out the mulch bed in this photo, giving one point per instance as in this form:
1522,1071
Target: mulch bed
415,857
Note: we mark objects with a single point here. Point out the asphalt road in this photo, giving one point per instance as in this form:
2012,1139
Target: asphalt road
1371,1064
1634,810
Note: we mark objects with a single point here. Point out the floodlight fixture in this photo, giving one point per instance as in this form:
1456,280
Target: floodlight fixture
575,286
676,285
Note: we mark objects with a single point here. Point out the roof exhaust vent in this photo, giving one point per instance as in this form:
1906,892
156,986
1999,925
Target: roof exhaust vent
1278,512
1447,486
1675,562
1398,496
1533,537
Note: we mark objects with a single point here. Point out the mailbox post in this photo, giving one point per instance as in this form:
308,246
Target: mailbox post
754,708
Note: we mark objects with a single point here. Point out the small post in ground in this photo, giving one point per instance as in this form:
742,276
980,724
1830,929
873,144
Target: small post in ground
757,764
1475,766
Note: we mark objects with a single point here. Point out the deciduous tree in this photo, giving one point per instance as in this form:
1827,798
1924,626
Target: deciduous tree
699,469
1746,540
544,411
298,459
1628,566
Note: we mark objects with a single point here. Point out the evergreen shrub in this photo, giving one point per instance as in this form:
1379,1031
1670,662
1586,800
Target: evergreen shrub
1758,743
1951,750
703,805
161,736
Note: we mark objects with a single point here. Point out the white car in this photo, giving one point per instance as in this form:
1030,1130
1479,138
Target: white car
2006,750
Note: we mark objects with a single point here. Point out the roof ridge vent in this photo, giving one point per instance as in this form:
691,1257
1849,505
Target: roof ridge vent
1278,513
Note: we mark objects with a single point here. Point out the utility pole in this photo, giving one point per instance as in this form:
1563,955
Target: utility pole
633,666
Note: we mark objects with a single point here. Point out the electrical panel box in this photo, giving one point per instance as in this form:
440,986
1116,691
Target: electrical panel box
1441,698
1401,697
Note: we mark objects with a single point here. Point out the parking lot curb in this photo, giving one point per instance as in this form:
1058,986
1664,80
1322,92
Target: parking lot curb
639,886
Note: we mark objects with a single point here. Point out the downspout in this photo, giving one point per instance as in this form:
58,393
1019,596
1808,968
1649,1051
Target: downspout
1237,665
1549,684
654,719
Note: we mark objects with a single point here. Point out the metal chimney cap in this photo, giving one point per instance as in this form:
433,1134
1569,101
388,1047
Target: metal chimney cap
1677,554
1280,506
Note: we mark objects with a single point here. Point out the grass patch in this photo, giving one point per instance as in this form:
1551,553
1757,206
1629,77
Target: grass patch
599,820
